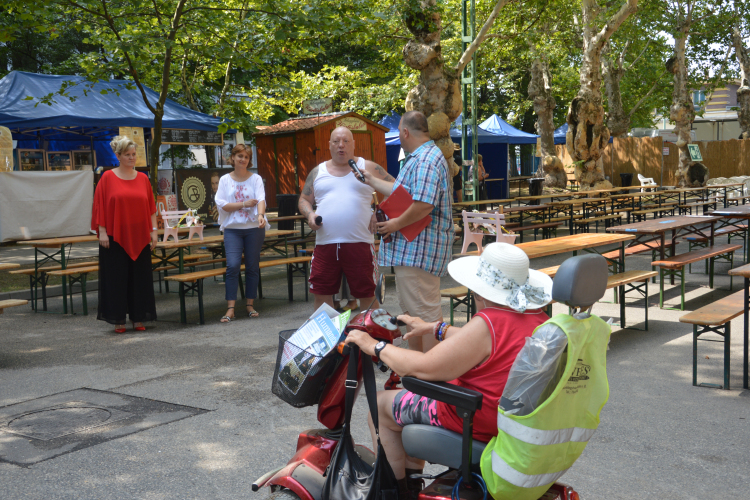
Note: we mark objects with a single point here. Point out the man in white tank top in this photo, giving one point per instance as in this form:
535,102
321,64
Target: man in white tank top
344,238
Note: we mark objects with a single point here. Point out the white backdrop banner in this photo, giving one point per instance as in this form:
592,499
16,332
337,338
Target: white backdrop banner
36,205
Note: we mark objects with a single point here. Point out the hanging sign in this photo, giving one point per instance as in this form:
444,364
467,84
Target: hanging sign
6,150
136,133
190,137
695,152
665,151
354,124
317,106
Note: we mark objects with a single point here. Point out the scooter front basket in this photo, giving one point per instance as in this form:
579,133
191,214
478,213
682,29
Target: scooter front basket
300,375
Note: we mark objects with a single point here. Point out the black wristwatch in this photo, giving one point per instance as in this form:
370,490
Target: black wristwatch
379,347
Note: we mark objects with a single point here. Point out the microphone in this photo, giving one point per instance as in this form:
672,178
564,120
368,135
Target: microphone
319,220
357,172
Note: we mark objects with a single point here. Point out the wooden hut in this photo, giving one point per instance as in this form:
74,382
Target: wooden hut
289,150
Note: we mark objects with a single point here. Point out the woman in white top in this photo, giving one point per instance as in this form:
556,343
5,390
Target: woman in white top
241,200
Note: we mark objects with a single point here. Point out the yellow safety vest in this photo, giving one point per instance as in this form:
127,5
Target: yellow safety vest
533,451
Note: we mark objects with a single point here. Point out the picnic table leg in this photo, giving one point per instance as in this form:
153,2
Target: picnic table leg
64,279
621,290
645,306
727,358
672,252
747,324
183,315
200,302
289,281
695,355
83,295
682,288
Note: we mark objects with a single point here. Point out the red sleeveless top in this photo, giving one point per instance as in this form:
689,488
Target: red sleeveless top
124,209
509,330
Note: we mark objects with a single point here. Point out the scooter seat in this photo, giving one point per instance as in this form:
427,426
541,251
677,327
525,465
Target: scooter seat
437,445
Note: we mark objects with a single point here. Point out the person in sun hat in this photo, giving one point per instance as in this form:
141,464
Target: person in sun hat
478,356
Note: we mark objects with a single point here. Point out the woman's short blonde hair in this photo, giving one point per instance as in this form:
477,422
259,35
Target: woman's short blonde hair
121,143
479,157
240,148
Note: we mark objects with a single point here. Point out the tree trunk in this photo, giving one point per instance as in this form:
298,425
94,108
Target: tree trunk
540,91
613,70
682,112
587,134
438,93
743,93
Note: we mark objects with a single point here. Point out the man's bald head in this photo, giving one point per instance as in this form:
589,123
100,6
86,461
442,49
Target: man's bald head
341,145
415,121
413,130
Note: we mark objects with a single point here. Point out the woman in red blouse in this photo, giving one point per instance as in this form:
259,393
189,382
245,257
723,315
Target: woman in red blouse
124,217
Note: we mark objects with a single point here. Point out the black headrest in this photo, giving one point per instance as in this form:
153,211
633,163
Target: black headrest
581,281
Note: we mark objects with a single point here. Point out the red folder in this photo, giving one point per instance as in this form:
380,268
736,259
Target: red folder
396,204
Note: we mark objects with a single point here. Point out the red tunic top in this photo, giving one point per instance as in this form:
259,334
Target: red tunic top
124,209
509,330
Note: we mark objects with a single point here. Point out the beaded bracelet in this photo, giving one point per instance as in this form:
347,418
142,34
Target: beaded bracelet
436,330
443,331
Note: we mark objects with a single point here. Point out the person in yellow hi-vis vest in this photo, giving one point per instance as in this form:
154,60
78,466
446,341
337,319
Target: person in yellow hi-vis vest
555,390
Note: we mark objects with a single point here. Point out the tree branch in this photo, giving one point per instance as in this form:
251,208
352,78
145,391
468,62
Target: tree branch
615,21
472,48
651,90
639,55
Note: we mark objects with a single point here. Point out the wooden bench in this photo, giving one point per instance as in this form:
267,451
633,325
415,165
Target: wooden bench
75,275
459,296
193,281
546,228
4,304
628,281
675,266
716,318
7,266
40,277
665,207
703,241
737,199
584,223
687,208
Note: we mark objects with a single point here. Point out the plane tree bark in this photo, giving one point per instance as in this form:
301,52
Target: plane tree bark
540,92
587,133
438,93
743,93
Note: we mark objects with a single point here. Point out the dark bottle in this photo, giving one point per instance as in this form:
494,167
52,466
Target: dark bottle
381,217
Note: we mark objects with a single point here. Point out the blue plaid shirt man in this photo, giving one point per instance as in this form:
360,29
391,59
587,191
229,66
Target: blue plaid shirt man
424,175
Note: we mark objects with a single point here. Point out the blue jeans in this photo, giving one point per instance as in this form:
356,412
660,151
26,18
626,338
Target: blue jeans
235,242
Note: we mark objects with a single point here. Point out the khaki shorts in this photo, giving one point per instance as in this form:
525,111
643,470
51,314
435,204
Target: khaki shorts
418,293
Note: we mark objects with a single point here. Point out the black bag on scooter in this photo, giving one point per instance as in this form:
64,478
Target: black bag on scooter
349,477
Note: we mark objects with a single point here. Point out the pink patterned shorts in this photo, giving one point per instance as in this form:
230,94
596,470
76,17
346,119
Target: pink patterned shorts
410,408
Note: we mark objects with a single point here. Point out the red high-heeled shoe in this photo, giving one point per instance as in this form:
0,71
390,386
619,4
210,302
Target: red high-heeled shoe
139,328
120,330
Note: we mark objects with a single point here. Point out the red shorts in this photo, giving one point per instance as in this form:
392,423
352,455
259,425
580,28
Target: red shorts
355,260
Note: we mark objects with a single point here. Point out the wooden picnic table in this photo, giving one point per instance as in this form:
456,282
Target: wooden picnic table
744,271
293,218
653,232
519,179
728,187
61,254
733,217
571,243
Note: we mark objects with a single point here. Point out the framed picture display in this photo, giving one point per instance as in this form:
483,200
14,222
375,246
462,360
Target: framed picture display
84,160
59,160
31,160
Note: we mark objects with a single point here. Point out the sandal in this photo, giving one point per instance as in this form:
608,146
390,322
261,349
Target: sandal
252,313
227,318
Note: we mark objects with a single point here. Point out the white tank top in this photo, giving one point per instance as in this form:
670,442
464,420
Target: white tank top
344,203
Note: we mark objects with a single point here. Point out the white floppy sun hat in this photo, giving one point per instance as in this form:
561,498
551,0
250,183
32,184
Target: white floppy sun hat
502,275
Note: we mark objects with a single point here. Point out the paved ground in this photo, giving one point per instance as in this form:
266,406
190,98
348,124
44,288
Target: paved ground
660,437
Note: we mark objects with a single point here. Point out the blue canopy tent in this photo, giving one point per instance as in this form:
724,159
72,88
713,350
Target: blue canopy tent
91,119
391,120
560,133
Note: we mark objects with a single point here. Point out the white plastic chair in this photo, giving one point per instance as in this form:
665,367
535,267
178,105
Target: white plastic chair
646,182
492,220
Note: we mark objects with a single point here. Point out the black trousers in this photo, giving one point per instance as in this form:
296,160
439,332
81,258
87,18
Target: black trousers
126,286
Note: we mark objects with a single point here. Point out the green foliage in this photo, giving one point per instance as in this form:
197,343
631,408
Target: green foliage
179,155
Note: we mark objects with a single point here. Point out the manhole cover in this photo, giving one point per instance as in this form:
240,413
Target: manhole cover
55,422
44,428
